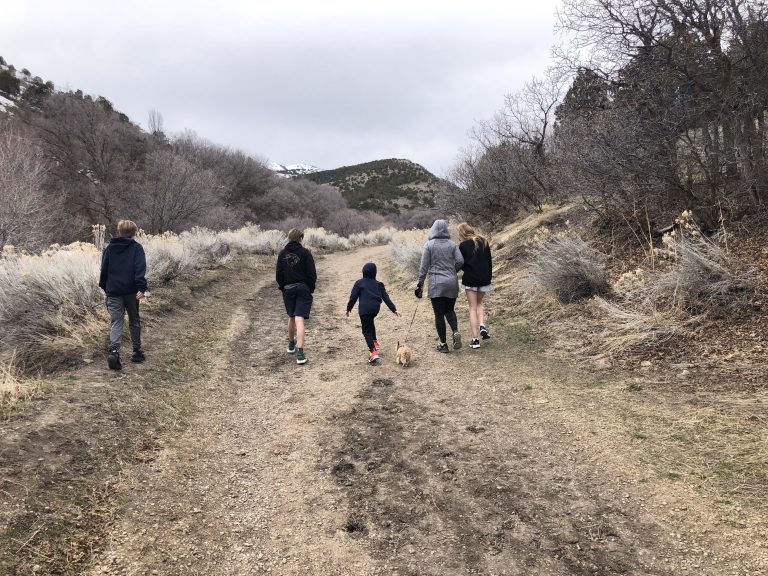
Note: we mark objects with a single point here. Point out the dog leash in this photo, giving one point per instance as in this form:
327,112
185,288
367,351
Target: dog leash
408,333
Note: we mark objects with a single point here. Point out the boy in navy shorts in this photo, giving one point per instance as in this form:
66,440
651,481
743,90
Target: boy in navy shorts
296,278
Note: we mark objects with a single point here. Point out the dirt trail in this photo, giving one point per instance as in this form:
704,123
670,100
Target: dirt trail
477,462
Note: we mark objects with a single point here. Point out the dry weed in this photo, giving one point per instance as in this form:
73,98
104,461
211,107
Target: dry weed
568,268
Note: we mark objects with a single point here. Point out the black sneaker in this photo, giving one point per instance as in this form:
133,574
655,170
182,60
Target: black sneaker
291,346
456,340
443,348
113,360
484,333
138,356
300,357
474,343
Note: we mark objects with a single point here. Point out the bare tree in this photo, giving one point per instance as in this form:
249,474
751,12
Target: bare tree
26,215
174,192
155,122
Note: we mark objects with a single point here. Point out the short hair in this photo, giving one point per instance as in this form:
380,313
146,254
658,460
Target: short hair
127,228
295,235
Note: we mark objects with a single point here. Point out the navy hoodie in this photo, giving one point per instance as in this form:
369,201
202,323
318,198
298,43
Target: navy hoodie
295,265
371,293
123,267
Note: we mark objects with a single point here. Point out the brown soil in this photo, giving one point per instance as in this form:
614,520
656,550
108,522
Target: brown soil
222,456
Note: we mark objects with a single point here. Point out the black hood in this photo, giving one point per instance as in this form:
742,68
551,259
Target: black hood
120,244
293,246
369,270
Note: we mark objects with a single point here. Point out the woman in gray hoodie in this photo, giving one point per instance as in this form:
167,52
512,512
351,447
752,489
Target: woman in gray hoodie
441,260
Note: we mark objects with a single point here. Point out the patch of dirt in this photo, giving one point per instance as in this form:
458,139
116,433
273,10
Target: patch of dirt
495,461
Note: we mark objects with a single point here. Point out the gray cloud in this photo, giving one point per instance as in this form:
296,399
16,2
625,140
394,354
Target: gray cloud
328,83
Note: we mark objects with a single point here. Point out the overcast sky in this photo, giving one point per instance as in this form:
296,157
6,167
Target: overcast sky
324,82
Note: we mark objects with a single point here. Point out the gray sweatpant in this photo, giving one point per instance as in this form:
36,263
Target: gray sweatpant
117,306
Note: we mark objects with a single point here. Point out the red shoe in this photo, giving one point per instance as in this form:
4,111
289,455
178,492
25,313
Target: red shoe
374,357
376,346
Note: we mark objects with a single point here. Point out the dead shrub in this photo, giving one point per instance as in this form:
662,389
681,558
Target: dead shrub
699,277
568,268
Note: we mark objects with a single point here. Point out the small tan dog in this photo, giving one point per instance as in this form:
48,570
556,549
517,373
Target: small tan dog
403,354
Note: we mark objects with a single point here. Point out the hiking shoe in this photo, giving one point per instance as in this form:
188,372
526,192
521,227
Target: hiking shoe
300,357
374,357
456,340
376,346
484,333
474,343
138,356
113,360
443,348
291,346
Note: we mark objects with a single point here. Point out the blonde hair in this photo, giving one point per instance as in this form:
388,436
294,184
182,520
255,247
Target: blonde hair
127,228
466,232
295,235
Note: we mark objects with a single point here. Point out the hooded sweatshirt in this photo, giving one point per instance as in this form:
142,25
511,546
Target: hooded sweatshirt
371,293
295,265
123,267
441,260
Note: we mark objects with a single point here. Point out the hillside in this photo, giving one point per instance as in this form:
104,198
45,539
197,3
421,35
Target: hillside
20,85
384,186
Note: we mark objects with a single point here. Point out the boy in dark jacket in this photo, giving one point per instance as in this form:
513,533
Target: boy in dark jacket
123,269
371,293
296,278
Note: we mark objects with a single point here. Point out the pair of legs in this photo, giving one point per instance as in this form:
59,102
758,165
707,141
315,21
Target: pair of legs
298,303
476,312
368,325
444,310
296,330
117,306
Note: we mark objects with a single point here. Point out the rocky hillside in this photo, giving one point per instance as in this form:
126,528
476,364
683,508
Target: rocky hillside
20,85
384,186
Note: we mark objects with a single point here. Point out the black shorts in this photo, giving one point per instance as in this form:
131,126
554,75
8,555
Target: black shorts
298,300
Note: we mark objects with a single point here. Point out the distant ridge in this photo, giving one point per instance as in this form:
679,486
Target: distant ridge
292,170
384,186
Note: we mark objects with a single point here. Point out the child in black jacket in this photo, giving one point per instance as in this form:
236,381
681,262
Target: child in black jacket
371,294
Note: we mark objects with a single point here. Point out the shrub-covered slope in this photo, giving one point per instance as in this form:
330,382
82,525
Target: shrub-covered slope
384,186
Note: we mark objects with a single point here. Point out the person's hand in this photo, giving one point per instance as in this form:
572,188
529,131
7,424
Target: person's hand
347,313
398,314
419,292
139,295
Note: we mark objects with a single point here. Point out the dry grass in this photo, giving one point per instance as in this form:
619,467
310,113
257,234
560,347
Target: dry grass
15,387
406,249
700,276
625,330
568,268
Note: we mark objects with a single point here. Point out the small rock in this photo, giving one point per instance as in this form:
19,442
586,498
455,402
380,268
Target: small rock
603,363
684,374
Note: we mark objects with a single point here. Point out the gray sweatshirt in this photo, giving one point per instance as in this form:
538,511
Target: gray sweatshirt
441,259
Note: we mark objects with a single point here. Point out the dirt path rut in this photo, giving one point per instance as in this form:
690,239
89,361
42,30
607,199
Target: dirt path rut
470,463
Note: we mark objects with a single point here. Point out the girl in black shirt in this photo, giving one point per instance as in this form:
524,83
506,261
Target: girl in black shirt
476,282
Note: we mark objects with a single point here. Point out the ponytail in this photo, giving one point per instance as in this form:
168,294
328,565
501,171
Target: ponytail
466,232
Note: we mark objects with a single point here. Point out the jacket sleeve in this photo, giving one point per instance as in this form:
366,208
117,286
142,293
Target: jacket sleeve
354,295
464,252
459,259
279,273
311,272
140,269
387,299
490,260
426,262
104,270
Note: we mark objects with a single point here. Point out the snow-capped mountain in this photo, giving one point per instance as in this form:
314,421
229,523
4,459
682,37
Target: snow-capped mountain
292,170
